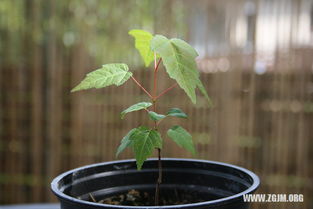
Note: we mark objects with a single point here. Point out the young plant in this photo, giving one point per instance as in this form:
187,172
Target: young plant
178,57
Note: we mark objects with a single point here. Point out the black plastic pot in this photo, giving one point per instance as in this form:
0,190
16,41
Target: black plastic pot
221,185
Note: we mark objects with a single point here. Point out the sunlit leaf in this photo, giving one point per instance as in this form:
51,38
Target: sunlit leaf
179,60
136,107
182,138
109,74
142,44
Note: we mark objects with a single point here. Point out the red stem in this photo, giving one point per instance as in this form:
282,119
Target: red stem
166,90
154,85
142,87
157,66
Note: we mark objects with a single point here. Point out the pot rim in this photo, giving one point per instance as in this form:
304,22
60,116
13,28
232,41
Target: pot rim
252,188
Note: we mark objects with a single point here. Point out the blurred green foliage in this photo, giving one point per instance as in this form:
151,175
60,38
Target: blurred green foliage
99,26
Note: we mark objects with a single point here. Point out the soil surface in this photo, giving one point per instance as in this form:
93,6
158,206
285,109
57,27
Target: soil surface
144,198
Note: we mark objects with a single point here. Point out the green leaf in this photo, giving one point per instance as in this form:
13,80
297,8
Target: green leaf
176,112
142,44
144,142
155,116
136,107
203,91
179,60
125,142
109,74
182,138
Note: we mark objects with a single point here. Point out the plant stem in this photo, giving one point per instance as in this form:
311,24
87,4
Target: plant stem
142,87
157,66
166,90
159,181
154,86
154,100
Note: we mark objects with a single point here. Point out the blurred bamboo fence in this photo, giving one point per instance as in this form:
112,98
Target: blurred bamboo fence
262,122
261,119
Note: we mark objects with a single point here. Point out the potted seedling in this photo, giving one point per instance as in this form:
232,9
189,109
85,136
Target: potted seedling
160,182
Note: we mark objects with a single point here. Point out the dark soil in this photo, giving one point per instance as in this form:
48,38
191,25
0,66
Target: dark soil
145,198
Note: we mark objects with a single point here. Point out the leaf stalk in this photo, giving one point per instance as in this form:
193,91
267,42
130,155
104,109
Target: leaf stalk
138,84
166,90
